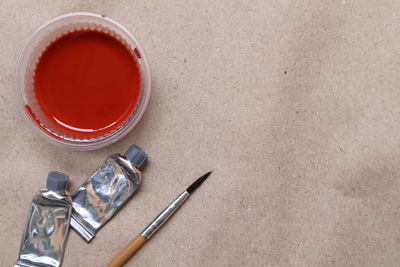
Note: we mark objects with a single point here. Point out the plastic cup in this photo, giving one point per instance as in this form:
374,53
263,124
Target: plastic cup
29,57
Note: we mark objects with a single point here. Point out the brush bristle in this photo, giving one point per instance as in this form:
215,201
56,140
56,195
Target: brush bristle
197,183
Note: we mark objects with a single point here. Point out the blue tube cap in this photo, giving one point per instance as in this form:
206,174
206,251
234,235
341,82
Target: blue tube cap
57,181
136,156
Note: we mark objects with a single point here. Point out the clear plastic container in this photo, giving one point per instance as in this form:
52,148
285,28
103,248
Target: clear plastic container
28,59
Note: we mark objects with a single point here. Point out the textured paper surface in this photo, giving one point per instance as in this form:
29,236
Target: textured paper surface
295,105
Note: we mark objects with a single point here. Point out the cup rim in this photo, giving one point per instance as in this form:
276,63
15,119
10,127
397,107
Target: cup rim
95,144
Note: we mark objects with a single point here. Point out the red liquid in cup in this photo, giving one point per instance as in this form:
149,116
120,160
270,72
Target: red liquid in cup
87,83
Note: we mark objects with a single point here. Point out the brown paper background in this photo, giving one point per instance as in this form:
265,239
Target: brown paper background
295,105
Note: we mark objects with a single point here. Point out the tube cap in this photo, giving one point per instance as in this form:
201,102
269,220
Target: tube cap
57,181
136,156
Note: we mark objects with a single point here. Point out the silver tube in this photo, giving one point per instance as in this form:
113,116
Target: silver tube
101,196
164,215
46,230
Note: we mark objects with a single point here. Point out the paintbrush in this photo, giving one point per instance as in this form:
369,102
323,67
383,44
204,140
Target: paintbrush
156,224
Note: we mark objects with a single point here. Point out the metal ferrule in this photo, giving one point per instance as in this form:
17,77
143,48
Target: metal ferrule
164,215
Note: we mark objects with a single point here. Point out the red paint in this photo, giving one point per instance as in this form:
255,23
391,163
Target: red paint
87,83
137,53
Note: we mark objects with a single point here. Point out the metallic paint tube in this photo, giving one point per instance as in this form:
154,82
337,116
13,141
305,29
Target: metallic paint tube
107,190
47,225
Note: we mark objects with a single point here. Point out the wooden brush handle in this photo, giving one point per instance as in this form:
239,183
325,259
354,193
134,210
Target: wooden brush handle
124,255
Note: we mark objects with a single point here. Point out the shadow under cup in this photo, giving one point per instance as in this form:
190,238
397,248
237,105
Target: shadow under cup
44,37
